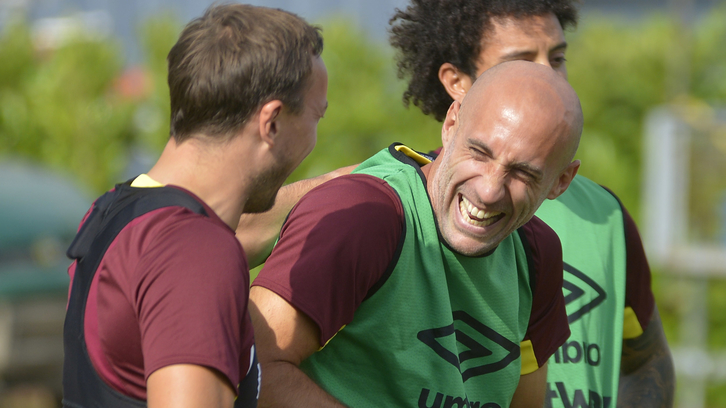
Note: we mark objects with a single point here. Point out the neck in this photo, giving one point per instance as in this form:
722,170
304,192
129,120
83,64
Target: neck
210,171
429,172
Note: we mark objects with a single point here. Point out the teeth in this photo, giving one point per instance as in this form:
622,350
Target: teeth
475,216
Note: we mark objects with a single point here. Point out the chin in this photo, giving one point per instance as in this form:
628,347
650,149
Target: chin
472,248
481,251
259,206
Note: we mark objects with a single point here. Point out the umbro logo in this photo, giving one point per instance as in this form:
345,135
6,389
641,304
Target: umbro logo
578,284
473,348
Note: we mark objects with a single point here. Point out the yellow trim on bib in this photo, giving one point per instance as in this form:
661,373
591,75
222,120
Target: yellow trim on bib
529,360
413,154
336,333
144,181
631,325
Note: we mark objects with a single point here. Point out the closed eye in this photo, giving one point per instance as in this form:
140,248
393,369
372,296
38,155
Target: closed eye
527,173
478,153
479,149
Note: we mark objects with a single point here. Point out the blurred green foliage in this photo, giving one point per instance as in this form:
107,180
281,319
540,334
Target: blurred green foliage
618,70
57,106
621,70
365,112
157,37
63,106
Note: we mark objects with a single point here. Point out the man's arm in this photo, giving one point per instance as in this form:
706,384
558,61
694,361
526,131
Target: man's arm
335,246
548,328
285,337
188,386
257,232
530,392
646,370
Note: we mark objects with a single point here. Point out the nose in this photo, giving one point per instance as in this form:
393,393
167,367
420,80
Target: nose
491,186
543,59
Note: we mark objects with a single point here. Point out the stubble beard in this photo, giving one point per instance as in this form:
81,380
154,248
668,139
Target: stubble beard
264,190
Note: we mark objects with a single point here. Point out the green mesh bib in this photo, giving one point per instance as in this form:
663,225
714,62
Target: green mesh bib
444,330
584,372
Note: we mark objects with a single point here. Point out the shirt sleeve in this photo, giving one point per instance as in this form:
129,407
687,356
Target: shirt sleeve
191,298
336,244
639,299
548,328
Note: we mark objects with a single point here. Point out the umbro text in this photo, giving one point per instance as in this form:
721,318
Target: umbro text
575,352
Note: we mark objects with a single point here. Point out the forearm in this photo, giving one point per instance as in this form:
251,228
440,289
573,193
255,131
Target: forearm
647,378
285,338
257,232
650,386
530,392
285,385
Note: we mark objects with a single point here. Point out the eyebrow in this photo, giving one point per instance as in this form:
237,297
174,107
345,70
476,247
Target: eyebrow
535,171
518,54
559,46
481,145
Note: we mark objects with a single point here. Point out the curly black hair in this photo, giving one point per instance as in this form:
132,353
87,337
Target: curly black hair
430,33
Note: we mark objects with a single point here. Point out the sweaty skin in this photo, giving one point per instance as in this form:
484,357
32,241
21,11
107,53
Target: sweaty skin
506,149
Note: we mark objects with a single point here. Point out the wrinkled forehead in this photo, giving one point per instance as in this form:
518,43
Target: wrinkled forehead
522,95
527,129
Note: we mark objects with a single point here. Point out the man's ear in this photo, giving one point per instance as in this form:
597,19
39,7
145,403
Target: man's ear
450,123
564,180
456,83
268,120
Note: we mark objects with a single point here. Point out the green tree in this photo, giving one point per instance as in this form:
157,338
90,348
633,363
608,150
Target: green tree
365,112
618,70
57,106
157,36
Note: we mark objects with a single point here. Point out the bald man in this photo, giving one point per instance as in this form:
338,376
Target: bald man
380,276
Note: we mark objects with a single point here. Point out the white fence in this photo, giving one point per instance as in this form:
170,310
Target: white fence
679,141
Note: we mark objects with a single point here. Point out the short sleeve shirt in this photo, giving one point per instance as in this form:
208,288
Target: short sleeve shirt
341,237
171,289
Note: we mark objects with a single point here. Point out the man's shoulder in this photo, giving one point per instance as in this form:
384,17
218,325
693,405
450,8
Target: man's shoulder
583,200
359,191
583,189
543,246
146,220
536,230
352,205
172,220
180,236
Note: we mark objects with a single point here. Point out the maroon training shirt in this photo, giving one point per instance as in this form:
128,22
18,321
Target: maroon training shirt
172,289
340,238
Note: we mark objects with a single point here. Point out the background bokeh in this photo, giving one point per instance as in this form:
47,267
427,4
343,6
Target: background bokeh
84,104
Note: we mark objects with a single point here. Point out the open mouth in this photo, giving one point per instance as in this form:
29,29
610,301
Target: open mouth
474,216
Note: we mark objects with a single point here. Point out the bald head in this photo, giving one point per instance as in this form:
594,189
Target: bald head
524,90
507,147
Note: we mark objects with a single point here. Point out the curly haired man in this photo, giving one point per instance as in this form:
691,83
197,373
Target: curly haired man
617,350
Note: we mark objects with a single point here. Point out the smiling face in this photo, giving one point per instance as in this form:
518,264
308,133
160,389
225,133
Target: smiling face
506,149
